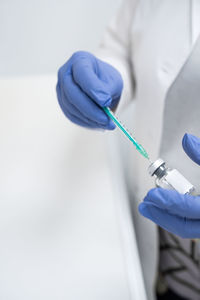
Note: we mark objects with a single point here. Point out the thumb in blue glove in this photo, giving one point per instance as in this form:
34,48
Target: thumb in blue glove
85,85
176,213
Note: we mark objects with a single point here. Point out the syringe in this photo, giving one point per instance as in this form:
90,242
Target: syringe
125,131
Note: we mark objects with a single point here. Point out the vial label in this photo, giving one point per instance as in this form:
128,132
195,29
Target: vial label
179,182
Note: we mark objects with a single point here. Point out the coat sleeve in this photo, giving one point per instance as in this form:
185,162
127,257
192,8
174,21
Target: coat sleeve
115,47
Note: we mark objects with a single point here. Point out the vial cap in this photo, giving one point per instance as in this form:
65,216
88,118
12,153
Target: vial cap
155,165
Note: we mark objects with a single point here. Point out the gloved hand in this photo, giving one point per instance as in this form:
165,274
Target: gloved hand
85,84
176,213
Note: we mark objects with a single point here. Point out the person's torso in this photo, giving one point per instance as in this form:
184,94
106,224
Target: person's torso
163,36
180,258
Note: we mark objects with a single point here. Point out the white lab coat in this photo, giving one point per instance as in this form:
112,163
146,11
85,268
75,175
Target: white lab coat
148,42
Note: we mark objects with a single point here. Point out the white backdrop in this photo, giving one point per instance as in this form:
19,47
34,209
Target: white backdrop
59,231
36,36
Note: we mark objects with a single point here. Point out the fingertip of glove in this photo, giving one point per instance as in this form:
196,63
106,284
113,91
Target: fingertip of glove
185,140
152,192
189,139
101,98
154,195
110,126
191,146
106,102
143,210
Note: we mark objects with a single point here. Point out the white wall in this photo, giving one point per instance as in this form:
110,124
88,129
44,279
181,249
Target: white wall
59,227
36,36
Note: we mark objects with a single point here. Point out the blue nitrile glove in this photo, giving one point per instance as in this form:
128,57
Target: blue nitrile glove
176,213
85,84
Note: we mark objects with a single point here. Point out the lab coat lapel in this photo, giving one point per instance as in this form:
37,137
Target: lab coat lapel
163,48
178,58
195,20
164,34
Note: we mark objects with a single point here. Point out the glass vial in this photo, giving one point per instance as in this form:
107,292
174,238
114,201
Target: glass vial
169,178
